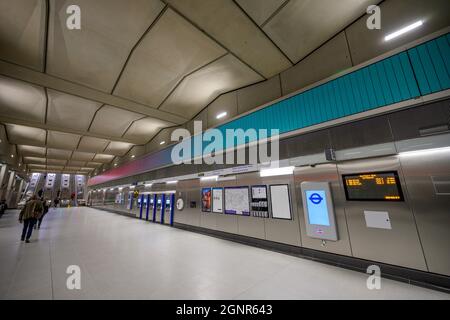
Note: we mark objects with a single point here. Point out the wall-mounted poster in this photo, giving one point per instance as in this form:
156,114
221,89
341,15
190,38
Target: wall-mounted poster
281,203
206,199
260,202
217,197
237,201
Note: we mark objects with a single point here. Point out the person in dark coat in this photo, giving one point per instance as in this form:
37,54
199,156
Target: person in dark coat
44,212
28,216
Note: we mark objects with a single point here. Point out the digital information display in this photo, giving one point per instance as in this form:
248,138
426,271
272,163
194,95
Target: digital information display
319,210
373,186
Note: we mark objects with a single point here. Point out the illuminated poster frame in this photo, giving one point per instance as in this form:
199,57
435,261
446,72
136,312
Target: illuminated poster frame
206,199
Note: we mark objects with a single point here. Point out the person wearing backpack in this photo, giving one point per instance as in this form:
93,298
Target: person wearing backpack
28,215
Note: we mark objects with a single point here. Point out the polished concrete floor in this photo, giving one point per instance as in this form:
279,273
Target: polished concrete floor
124,258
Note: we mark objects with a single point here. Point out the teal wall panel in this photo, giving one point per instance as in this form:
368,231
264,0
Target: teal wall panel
431,65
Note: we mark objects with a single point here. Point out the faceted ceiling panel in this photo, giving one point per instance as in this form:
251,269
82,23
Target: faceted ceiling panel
118,148
103,158
68,111
93,164
260,10
22,32
171,49
142,131
197,90
34,160
302,26
91,144
58,154
31,151
113,121
25,135
75,163
21,100
82,156
62,140
56,162
231,27
95,55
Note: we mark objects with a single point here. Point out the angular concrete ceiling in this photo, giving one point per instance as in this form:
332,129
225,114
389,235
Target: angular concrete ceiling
81,98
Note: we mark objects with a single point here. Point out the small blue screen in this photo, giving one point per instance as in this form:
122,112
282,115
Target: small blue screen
317,207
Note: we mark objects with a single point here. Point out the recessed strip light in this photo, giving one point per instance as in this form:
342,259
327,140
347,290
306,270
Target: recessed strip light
172,182
210,178
162,142
276,172
221,115
424,152
403,30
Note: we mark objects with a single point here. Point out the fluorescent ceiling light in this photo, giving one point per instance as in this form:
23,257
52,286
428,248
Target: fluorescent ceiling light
172,182
403,30
221,115
133,156
162,142
276,172
424,152
148,185
209,178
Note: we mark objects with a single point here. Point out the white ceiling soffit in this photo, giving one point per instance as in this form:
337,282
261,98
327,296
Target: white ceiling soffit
62,140
103,158
82,156
21,100
18,134
94,56
91,144
172,49
22,32
58,154
230,26
118,148
302,26
30,151
260,10
111,121
68,111
142,131
197,90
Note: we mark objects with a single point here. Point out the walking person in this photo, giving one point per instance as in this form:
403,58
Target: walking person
44,212
28,215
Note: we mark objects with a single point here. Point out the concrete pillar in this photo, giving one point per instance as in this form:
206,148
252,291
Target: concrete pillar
10,189
3,181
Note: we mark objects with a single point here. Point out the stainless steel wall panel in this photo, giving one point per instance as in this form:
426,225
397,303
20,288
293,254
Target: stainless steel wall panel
399,245
431,210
